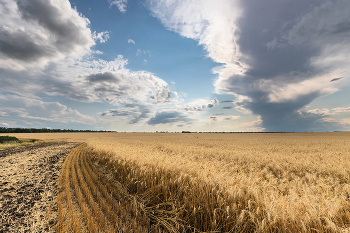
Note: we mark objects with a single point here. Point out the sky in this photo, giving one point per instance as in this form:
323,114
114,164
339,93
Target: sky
173,65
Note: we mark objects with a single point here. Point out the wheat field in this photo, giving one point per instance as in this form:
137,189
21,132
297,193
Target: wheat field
136,182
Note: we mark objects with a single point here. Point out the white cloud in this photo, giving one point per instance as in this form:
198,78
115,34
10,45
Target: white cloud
3,124
337,110
198,105
223,118
101,36
211,22
37,32
345,121
323,112
140,52
121,4
131,41
21,108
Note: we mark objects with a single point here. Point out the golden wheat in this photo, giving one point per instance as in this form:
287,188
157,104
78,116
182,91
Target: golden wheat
233,182
88,202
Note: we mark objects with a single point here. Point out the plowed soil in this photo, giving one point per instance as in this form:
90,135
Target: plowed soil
29,186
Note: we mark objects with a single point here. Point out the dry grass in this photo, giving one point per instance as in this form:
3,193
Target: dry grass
225,182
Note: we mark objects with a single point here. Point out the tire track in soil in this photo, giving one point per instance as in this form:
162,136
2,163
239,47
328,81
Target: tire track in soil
29,186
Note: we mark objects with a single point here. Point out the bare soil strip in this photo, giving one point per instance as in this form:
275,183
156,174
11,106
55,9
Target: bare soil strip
29,186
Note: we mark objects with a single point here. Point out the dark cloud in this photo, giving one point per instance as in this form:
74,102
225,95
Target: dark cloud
228,107
18,44
336,79
36,32
134,112
200,106
169,117
66,31
280,41
103,77
227,101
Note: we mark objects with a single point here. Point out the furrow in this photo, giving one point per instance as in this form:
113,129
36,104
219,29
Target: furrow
88,218
72,220
89,190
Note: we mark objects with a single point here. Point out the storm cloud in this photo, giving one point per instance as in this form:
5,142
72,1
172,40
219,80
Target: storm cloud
277,56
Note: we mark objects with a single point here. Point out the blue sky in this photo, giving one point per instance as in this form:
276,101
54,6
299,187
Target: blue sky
172,65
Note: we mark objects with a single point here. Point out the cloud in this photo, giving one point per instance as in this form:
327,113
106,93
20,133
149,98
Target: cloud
24,109
140,52
345,121
198,105
277,57
336,79
121,85
227,101
322,112
121,4
228,107
337,110
101,36
3,124
37,32
87,79
131,41
168,117
133,113
224,118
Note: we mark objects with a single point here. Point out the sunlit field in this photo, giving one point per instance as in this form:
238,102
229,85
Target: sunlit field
290,182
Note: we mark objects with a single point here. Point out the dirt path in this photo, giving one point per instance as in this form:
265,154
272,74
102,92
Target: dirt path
28,186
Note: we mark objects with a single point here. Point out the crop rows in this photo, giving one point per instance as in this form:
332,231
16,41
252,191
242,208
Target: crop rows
177,183
88,202
235,183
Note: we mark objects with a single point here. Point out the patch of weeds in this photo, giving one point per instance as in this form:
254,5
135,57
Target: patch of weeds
8,139
11,142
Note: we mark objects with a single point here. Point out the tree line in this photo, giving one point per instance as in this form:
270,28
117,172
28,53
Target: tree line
44,130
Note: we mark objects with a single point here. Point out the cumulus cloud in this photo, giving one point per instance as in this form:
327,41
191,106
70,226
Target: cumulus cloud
198,105
121,4
277,57
33,33
123,84
133,113
131,41
87,79
169,117
101,36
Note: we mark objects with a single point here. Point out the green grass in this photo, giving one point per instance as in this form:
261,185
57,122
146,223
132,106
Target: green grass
8,139
11,142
